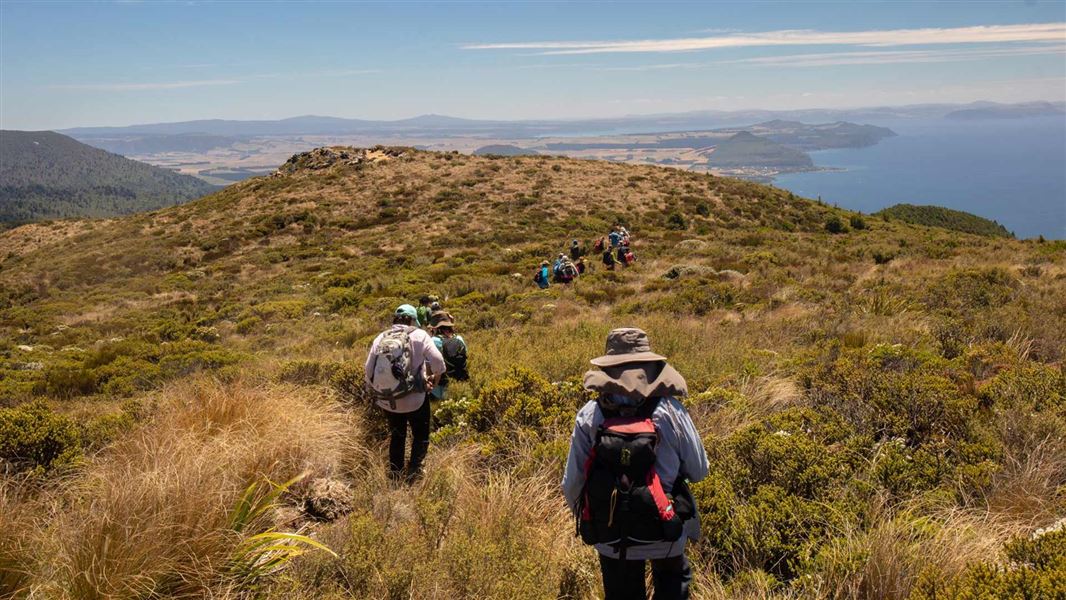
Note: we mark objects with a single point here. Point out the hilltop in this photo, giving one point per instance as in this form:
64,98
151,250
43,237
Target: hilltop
747,149
45,175
884,407
938,216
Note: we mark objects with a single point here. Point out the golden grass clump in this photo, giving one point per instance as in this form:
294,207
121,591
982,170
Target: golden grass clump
150,516
462,532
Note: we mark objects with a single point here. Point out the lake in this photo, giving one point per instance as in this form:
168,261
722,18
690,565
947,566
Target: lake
1009,170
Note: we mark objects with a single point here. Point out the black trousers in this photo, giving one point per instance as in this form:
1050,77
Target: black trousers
624,579
418,419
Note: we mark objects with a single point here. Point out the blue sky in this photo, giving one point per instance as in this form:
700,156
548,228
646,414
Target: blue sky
118,63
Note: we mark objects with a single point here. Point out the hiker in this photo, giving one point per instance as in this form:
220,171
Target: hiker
580,265
540,276
615,237
625,234
633,451
608,259
566,271
622,250
403,365
423,310
453,348
598,245
629,257
436,315
575,250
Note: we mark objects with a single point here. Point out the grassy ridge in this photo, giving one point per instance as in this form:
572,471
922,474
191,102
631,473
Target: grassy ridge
938,216
884,408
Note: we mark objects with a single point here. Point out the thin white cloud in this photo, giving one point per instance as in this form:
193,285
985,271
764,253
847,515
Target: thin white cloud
139,87
897,56
1034,32
659,67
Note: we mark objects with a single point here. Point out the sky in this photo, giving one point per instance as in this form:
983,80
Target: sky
69,64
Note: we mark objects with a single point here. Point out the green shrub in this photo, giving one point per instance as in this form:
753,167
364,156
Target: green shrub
1037,569
349,380
857,222
340,298
307,372
776,489
928,429
883,257
971,289
248,324
835,224
68,381
676,221
285,309
34,439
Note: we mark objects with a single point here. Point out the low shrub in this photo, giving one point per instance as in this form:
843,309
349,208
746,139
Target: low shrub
307,372
835,224
36,440
1037,569
341,298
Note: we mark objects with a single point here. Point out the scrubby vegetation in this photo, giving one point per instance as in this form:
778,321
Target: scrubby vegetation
938,216
884,405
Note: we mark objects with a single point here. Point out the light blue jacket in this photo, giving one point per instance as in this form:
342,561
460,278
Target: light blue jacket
680,454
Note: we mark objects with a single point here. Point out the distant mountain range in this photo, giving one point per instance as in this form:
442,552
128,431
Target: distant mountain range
204,134
1008,111
45,175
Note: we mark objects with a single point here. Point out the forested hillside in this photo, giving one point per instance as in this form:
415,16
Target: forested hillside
938,216
883,404
45,175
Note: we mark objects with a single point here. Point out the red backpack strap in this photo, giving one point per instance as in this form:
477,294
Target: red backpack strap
655,486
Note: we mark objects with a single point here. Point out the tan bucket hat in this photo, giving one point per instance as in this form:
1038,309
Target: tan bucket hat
627,345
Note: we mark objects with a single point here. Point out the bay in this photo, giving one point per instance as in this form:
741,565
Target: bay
1009,170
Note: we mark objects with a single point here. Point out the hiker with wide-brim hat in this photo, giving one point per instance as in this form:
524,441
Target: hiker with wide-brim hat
631,499
453,347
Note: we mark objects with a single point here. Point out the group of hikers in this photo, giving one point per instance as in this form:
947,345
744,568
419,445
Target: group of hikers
614,249
633,450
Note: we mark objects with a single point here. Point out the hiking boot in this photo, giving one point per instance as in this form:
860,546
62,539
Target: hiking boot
413,475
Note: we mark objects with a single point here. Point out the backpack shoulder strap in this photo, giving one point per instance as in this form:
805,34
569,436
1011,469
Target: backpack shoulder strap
648,408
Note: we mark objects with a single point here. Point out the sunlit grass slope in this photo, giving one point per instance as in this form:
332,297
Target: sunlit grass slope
884,404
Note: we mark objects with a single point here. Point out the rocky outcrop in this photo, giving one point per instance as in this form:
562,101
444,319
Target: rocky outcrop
332,156
328,499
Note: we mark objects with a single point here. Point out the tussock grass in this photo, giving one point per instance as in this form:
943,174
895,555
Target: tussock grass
462,532
151,515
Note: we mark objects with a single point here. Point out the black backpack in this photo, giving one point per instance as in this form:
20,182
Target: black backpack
623,503
454,351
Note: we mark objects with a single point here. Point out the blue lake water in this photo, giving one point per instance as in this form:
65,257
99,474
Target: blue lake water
1011,170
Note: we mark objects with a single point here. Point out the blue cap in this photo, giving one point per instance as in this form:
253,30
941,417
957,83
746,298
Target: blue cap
406,310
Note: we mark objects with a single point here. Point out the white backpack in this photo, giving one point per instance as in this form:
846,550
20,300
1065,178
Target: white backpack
392,373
